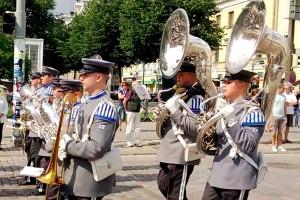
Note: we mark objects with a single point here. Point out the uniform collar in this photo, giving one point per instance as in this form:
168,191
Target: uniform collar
97,96
48,85
76,103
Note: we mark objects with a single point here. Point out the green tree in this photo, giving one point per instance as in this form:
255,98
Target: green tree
127,31
142,23
95,31
40,23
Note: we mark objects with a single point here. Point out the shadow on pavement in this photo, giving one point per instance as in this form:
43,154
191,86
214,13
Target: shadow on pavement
15,192
141,167
124,188
137,177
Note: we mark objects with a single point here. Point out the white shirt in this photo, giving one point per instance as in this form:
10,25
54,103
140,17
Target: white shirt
290,98
3,109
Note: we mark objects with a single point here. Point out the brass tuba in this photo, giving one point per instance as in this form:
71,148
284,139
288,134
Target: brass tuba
176,46
250,35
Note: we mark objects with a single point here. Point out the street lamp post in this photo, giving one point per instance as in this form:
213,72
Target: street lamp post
143,72
156,80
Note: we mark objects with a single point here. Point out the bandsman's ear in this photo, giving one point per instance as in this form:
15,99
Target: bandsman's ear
98,77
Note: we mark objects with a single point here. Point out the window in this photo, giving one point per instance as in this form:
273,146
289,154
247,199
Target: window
230,19
218,20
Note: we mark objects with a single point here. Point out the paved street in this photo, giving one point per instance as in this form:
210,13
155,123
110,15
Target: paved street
138,178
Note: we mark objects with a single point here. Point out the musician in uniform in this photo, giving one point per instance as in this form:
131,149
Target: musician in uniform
232,177
48,73
73,87
174,170
78,175
31,137
57,93
35,81
45,92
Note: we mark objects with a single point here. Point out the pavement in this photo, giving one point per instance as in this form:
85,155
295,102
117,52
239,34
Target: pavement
137,180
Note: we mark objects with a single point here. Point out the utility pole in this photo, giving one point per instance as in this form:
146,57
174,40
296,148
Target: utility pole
291,31
19,51
294,14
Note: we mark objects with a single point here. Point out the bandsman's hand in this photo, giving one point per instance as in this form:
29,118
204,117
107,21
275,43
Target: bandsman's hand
61,154
63,141
173,105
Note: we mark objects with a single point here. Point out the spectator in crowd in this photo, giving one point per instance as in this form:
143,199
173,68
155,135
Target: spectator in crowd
254,95
132,105
278,120
3,113
121,96
291,101
296,107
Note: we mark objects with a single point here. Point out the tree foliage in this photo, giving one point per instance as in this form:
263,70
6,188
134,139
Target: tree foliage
40,23
95,31
122,31
142,24
127,31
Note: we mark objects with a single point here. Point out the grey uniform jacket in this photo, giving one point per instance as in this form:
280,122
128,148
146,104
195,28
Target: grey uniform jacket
237,173
45,91
78,176
170,149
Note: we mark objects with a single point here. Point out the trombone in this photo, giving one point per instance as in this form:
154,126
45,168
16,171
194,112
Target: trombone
50,176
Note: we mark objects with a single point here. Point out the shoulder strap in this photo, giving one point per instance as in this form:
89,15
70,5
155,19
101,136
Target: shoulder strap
178,132
235,150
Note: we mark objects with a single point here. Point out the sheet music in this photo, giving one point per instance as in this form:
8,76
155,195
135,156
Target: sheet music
142,92
31,171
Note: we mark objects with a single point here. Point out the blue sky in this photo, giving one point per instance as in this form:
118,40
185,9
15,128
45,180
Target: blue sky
64,6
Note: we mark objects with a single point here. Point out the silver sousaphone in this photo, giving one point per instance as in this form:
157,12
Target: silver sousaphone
250,35
176,46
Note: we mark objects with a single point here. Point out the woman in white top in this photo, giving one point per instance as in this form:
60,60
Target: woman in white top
3,112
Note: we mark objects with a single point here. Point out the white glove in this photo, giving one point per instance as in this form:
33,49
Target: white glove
61,154
227,111
85,138
173,105
157,110
63,141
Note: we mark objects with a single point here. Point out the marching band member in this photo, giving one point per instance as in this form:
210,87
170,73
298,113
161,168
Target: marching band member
31,138
48,73
45,92
74,87
57,94
174,171
35,81
66,86
232,177
78,176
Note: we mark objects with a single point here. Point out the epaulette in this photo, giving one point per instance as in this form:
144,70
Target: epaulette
195,104
254,118
74,114
106,111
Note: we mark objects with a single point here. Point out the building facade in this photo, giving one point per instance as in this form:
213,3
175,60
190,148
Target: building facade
147,74
277,13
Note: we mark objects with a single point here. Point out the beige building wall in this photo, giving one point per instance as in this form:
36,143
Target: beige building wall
276,19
